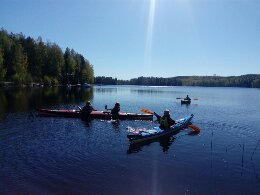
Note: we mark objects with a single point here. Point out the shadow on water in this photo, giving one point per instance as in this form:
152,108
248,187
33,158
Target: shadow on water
106,90
165,142
153,91
87,122
14,100
116,124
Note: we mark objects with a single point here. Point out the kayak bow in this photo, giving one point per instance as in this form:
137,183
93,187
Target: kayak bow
140,135
93,114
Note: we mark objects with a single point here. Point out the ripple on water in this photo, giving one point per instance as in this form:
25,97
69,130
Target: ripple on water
69,156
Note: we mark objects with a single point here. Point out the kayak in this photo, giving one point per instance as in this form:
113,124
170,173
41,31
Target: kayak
140,135
185,101
93,114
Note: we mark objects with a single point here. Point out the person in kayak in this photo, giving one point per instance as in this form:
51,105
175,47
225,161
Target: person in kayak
165,121
87,109
187,98
115,111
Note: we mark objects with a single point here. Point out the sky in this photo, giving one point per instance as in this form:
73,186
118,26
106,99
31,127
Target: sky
126,39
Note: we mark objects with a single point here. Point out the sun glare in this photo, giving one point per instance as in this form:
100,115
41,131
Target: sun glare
149,36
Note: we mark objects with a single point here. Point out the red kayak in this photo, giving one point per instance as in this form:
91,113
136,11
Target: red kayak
94,114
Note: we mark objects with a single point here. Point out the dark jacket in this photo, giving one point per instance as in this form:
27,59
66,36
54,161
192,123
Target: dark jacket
115,112
165,121
187,98
87,109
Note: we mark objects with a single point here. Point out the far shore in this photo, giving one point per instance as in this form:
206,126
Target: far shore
42,85
12,84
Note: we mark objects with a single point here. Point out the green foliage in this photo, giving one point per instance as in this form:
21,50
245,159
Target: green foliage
55,61
6,44
40,61
47,80
77,68
25,60
19,63
256,83
89,73
70,62
2,69
105,80
251,80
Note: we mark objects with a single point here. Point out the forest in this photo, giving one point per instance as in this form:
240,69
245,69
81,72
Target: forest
24,60
248,81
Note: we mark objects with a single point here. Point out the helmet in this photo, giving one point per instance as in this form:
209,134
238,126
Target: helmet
88,103
117,104
166,112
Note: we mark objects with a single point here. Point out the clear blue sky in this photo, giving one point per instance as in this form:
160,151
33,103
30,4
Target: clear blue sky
131,38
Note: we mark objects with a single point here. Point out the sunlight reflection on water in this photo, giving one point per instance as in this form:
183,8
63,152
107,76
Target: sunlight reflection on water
68,155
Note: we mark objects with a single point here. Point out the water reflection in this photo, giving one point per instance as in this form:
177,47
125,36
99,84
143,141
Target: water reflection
37,148
106,90
165,142
87,122
116,124
152,91
26,99
186,105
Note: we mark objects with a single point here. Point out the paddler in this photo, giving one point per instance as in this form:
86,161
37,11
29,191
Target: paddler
115,111
187,98
165,121
87,109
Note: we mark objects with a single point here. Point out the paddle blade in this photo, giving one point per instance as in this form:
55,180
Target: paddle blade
146,111
194,128
195,99
179,98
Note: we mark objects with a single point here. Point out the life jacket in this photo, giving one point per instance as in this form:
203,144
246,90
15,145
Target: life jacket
164,122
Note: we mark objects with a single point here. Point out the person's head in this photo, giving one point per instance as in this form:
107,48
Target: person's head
117,104
166,112
187,95
88,103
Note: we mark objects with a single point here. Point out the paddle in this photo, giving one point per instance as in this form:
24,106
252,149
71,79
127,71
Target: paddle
178,98
107,108
147,111
195,128
79,108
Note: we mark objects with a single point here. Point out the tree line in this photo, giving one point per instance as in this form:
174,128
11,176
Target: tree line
24,60
248,81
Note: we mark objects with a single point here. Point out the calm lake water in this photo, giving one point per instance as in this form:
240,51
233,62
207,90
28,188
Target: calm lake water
45,155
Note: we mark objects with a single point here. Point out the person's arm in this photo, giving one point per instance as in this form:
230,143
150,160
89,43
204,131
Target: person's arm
113,111
171,121
116,110
157,116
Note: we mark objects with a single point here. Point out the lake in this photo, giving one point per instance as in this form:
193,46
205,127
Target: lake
51,155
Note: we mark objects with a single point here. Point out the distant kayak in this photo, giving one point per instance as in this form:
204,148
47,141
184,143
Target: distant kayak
185,101
140,135
93,114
